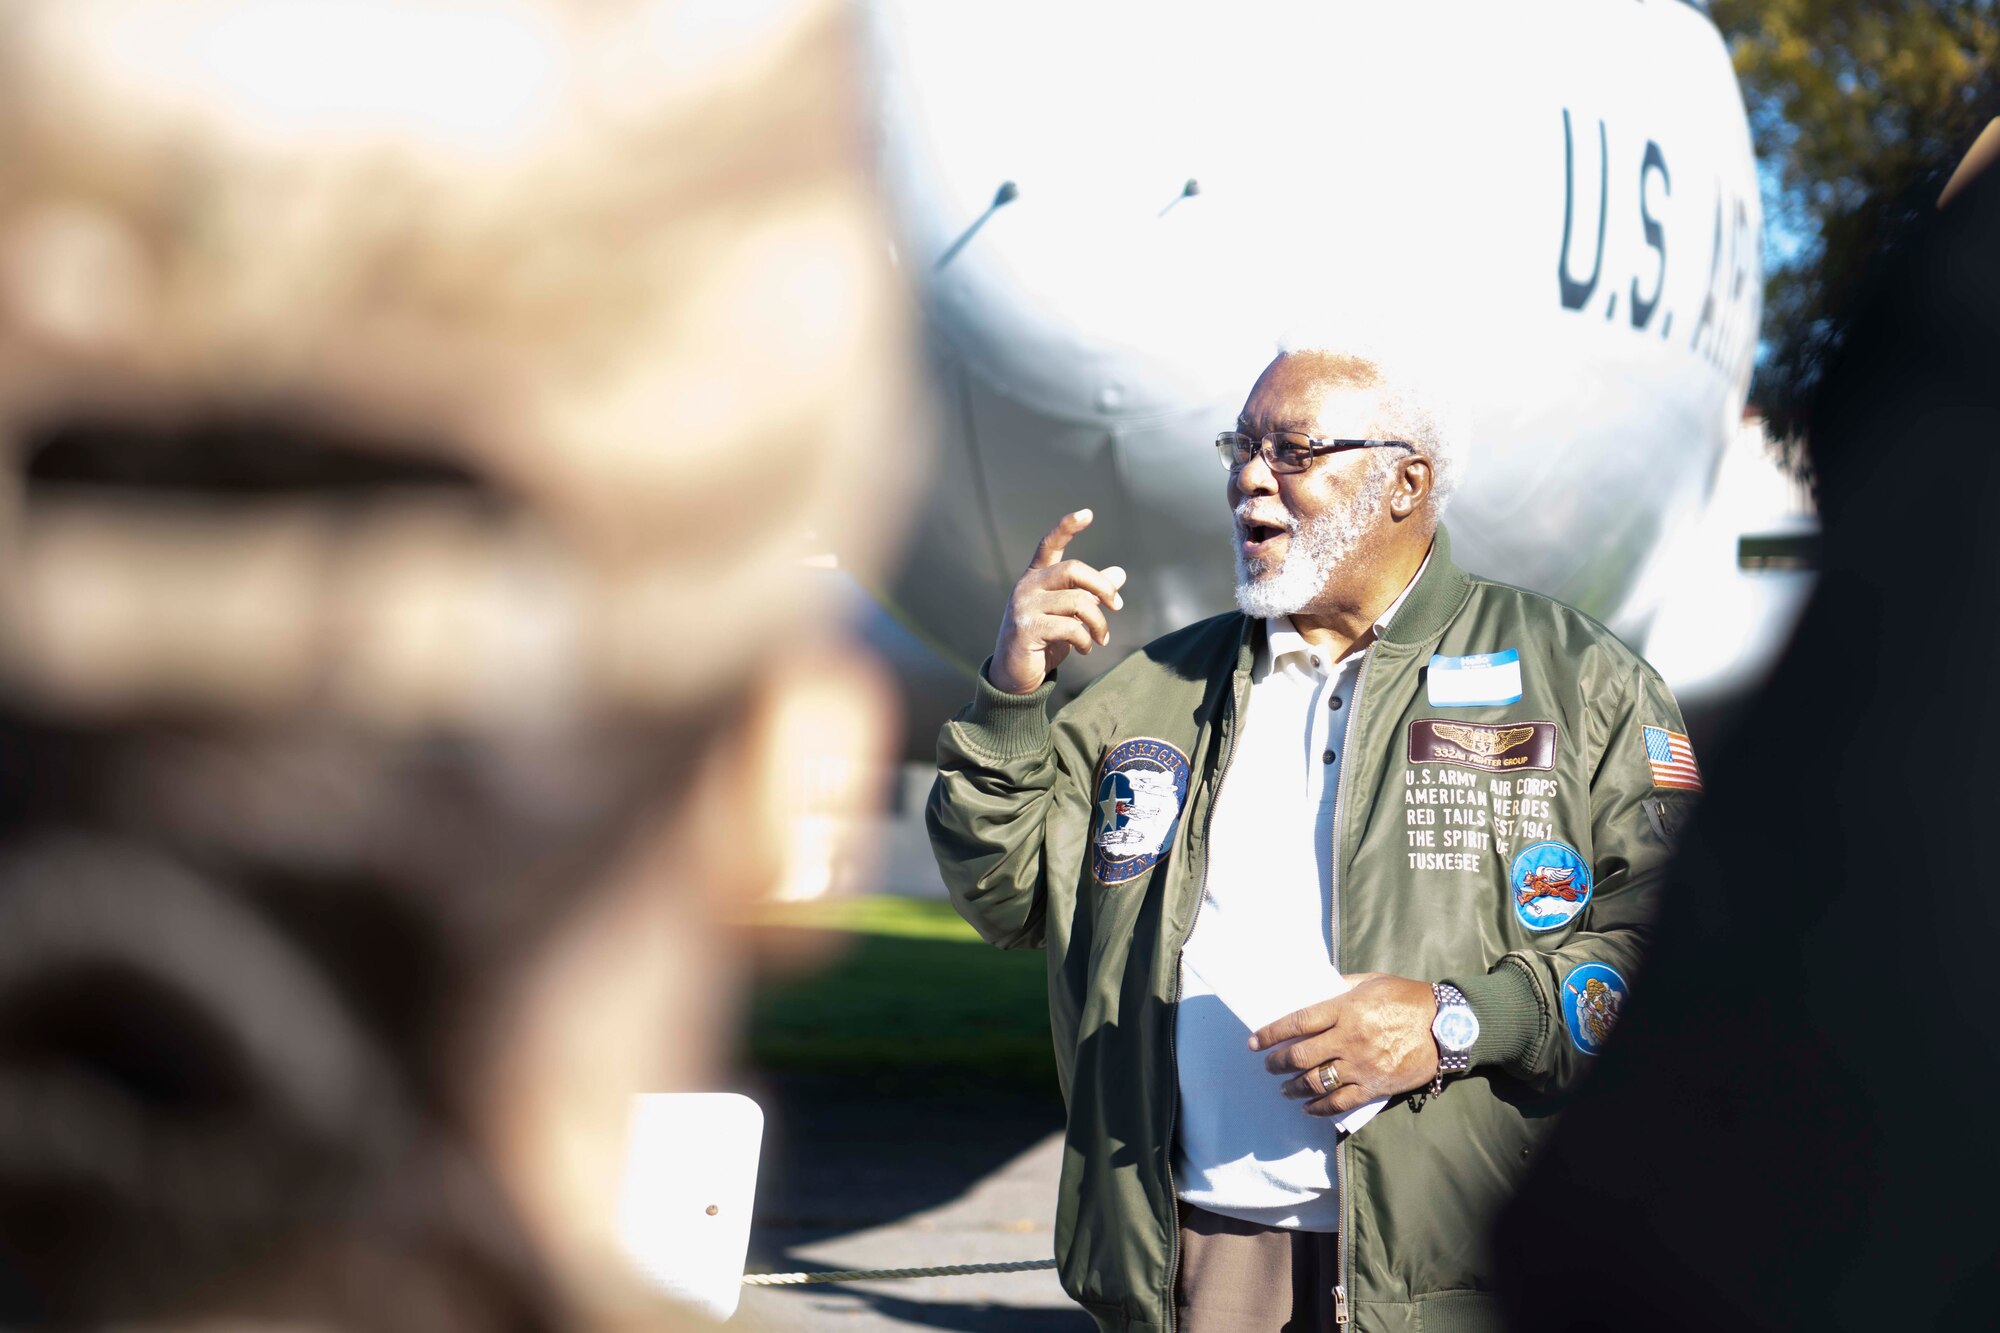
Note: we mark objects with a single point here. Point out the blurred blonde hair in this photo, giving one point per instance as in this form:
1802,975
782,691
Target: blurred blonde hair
643,296
412,417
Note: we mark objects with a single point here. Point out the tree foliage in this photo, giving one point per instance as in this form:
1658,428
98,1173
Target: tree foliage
1860,109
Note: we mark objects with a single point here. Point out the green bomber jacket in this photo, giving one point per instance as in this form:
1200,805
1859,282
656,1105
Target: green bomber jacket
1513,846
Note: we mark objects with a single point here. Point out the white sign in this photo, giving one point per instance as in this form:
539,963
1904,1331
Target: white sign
690,1181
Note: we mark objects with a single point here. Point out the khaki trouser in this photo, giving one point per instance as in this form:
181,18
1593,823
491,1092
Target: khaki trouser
1238,1277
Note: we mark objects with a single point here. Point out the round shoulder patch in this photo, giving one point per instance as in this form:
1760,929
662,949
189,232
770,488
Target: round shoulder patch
1551,884
1141,786
1592,995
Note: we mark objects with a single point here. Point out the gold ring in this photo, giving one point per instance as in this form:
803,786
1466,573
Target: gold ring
1325,1078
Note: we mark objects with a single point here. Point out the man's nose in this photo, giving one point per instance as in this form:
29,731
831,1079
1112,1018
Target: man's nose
1255,477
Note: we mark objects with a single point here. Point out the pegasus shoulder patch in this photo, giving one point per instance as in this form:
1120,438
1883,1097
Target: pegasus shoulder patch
1551,883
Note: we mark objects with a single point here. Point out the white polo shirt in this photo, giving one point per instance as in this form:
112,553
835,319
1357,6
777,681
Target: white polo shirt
1243,1149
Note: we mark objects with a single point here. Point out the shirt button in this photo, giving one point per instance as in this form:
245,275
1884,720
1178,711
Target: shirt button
1334,702
1327,758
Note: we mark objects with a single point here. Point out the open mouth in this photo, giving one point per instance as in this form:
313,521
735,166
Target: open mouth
1259,537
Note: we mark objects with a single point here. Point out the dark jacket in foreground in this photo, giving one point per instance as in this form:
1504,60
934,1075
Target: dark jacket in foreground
1795,1129
1032,854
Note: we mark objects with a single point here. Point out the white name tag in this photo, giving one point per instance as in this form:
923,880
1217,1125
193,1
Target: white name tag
1479,681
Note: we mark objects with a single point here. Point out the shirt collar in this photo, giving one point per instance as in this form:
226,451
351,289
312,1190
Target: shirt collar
1281,640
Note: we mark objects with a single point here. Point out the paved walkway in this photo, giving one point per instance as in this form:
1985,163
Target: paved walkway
1009,1215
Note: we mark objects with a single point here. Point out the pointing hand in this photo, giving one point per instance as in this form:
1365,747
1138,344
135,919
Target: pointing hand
1057,605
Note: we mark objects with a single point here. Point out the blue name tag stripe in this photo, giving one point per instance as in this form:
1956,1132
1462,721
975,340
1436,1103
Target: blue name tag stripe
1505,657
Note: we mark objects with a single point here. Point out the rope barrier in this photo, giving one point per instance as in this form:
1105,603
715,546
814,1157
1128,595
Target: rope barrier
884,1274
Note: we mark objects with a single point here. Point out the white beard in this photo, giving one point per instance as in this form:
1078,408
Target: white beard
1318,552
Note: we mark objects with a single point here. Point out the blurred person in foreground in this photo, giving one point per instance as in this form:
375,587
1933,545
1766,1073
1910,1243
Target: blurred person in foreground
1385,767
1794,1127
397,681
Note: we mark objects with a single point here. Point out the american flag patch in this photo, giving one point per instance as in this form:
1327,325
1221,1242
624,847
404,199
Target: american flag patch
1672,759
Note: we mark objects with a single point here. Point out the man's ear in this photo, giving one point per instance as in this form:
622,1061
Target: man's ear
1410,486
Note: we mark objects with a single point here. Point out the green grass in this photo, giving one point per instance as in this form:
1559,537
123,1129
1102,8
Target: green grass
902,918
909,995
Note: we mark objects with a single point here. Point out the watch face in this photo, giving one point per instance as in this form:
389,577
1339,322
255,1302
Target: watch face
1456,1029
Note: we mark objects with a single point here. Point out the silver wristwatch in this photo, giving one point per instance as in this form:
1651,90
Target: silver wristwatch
1455,1029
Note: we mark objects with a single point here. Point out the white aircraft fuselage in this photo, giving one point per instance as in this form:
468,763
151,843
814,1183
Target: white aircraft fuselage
1111,212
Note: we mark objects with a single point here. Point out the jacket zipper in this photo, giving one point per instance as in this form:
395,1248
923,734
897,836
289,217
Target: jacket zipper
1174,1021
1344,1243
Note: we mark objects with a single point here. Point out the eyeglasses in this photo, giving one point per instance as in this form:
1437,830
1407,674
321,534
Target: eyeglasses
1289,451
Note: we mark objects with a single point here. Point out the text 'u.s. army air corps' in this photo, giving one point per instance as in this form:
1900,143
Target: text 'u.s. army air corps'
1453,817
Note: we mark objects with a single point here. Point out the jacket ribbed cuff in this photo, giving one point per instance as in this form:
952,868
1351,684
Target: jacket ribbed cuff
1007,726
1509,1012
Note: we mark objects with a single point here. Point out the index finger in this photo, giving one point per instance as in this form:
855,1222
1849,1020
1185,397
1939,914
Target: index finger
1060,536
1306,1022
1102,584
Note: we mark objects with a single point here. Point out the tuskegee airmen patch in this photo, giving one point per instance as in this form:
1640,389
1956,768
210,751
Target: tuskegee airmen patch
1592,995
1551,884
1141,786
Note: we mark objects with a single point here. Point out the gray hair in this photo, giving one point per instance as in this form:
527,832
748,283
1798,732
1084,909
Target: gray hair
1415,384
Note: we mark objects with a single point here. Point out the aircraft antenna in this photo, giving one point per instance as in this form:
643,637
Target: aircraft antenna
1188,191
1005,195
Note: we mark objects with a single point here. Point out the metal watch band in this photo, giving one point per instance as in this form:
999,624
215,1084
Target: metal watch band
1449,1062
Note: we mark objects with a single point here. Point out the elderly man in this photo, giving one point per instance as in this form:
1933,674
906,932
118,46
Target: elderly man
1416,822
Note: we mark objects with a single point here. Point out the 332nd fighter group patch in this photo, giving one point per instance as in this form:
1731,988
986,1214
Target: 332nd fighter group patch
1500,748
